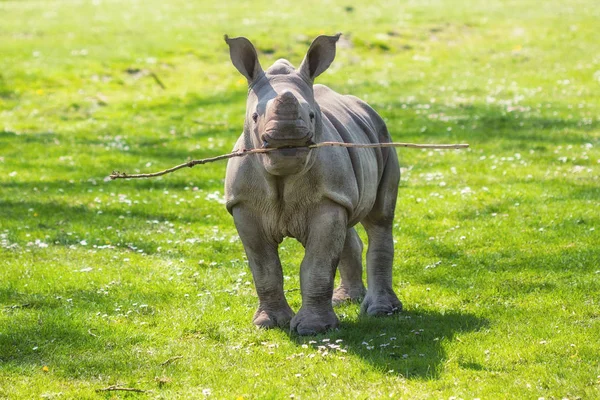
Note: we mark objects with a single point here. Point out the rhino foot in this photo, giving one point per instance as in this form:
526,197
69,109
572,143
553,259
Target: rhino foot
311,321
345,294
268,318
383,303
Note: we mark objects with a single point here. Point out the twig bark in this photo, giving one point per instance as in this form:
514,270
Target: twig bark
157,80
245,152
14,307
115,388
170,360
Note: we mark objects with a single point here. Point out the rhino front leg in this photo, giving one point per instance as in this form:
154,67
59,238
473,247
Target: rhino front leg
263,258
324,243
351,286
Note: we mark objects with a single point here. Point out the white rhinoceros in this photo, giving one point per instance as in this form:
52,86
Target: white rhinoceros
316,195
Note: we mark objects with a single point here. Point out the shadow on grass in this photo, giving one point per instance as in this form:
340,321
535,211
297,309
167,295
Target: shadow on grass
410,344
488,123
28,138
66,225
55,213
73,189
193,103
46,329
95,151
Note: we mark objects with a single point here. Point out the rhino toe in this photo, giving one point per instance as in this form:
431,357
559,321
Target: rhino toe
381,304
273,318
308,322
347,294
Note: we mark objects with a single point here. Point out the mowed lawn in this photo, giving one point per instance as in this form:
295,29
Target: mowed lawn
143,284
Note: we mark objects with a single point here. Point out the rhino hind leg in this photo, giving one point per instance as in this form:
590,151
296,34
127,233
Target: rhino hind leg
351,287
380,298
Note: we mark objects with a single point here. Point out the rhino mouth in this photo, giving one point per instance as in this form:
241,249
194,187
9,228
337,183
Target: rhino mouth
287,143
285,134
289,154
270,142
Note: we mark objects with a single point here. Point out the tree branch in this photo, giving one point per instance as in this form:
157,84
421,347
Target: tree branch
245,152
115,388
170,360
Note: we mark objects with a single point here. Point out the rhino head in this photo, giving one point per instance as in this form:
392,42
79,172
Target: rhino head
281,110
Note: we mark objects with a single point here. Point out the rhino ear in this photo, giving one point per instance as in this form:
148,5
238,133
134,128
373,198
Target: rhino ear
244,57
319,57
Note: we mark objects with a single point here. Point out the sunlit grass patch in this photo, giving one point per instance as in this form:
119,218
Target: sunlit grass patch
144,284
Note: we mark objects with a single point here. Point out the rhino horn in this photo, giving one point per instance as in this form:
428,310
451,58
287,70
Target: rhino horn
286,107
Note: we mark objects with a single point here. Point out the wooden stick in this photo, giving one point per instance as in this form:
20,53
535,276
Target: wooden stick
170,360
13,307
157,80
393,144
115,388
245,152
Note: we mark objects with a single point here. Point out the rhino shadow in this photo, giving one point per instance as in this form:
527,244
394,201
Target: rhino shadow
411,344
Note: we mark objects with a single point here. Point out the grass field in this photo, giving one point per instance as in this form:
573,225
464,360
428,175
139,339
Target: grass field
106,283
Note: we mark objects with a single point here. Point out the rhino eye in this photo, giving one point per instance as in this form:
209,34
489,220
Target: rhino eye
255,117
311,115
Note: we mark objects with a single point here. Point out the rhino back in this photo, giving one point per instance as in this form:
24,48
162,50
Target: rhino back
349,119
362,123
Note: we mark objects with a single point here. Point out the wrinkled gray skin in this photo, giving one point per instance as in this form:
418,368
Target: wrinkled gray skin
315,196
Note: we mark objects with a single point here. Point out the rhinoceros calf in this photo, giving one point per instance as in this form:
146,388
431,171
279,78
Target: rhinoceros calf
315,196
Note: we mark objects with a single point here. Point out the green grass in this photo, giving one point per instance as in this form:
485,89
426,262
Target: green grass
497,247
